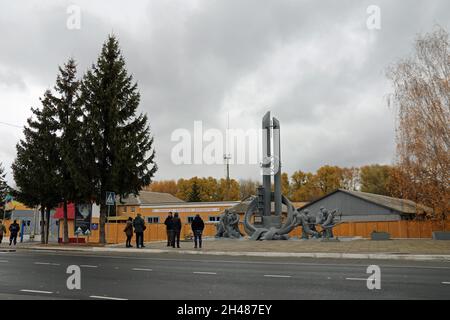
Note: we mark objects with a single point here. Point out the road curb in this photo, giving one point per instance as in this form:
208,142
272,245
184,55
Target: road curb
331,255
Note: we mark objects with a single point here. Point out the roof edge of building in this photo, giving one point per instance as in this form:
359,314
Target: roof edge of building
356,195
402,201
192,204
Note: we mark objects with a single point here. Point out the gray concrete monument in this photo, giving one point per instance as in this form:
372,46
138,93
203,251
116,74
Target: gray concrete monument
228,226
259,221
325,219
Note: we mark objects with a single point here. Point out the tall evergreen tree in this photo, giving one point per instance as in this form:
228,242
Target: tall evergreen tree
68,120
118,147
4,189
194,195
35,168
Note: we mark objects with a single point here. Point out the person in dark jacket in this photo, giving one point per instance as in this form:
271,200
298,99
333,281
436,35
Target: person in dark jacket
169,228
129,232
176,230
139,228
197,228
14,229
2,231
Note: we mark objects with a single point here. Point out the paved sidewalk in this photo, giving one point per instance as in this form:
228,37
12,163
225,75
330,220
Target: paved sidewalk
408,249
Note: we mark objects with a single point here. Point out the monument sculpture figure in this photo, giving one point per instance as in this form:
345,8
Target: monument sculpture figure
304,220
228,226
327,222
325,219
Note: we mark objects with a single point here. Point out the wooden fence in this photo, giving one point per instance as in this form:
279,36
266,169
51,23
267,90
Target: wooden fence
397,229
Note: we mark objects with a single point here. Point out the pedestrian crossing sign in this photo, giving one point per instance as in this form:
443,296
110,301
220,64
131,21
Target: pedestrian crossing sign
110,198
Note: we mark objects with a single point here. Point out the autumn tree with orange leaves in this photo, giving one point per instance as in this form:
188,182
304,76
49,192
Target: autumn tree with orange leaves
165,186
421,97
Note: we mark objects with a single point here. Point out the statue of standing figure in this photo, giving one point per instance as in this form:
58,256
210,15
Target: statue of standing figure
326,220
228,226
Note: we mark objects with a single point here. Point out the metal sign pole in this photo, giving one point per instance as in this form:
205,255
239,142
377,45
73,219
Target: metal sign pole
107,224
117,227
110,201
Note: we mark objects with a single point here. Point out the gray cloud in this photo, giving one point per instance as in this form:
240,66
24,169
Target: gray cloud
313,63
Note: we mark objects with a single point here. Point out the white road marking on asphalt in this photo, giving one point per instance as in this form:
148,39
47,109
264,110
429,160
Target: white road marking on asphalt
106,298
88,266
356,279
141,269
4,261
276,276
385,266
445,282
246,262
200,272
36,291
47,263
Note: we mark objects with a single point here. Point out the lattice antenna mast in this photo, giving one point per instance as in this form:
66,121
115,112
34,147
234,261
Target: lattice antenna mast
227,158
227,155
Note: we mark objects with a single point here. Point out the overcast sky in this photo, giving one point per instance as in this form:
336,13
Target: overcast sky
314,64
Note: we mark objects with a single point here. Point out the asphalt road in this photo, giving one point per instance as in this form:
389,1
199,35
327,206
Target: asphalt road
42,275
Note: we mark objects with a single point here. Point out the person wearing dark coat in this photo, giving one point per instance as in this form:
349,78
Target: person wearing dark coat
169,228
2,231
197,228
129,232
14,229
176,230
139,228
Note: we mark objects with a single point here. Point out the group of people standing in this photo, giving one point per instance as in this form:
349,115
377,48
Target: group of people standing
173,229
138,224
14,229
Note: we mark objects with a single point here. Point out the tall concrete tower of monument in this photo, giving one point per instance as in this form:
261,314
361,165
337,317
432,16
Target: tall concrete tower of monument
259,221
271,164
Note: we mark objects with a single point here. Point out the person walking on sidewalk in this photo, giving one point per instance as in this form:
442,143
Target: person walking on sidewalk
14,229
197,228
176,230
2,231
139,228
169,228
129,232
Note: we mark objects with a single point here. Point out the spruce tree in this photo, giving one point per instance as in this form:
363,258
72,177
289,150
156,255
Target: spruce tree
194,195
4,190
117,143
35,168
68,121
